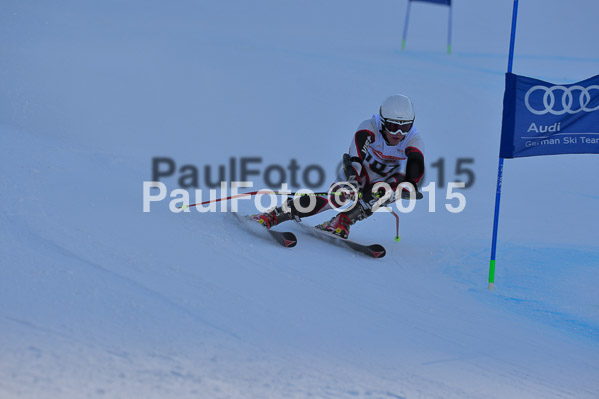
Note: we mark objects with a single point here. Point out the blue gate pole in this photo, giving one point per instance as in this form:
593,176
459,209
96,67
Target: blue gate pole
405,26
500,168
449,31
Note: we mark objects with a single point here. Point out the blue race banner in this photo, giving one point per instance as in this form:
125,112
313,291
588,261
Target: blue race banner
541,118
444,2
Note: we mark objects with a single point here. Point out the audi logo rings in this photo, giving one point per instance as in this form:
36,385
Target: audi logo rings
567,99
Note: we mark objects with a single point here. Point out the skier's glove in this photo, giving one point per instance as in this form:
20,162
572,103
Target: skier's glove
405,192
346,191
381,193
351,189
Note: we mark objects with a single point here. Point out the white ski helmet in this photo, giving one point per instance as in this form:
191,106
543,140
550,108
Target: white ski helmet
397,114
398,108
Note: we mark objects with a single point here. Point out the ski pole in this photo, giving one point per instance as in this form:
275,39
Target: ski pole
391,211
397,237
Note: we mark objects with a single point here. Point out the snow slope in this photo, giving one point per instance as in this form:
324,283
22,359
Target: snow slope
102,300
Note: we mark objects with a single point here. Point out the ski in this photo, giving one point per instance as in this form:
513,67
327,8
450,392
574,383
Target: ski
284,238
373,250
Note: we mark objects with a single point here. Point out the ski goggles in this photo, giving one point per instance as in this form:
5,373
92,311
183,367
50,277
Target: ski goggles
397,127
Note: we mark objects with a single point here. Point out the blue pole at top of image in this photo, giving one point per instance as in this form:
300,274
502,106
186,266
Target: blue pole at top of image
405,26
449,31
510,62
500,168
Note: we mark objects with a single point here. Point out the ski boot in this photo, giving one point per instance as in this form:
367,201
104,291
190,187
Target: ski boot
339,225
272,218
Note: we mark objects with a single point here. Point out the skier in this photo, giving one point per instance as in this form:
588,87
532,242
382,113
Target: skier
385,148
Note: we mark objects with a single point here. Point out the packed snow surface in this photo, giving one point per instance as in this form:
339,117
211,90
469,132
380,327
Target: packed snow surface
101,300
